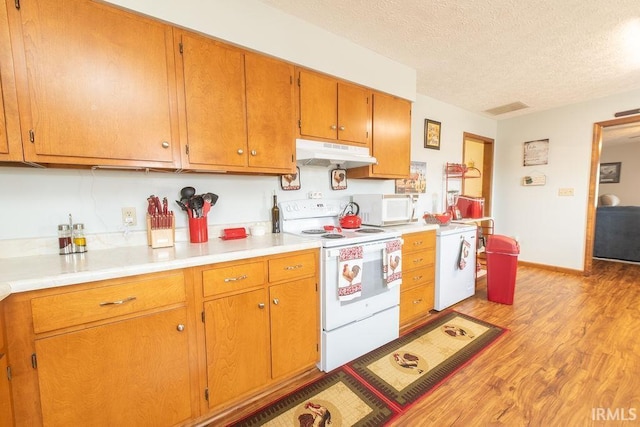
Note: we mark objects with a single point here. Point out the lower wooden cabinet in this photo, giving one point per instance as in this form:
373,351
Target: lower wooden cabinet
161,349
265,329
418,276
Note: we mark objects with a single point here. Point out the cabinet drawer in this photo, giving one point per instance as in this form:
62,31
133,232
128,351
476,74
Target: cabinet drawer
418,259
293,267
418,241
420,276
75,308
415,302
232,278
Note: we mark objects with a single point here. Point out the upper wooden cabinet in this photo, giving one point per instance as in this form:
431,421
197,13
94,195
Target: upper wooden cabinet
10,143
334,110
96,85
238,109
391,139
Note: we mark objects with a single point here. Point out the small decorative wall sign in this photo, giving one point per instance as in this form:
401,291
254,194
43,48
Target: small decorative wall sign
417,181
339,179
536,152
431,134
610,173
290,181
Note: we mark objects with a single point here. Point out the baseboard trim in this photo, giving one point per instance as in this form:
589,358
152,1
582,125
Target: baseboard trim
552,268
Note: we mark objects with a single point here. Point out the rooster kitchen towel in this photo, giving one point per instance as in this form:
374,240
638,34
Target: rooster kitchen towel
392,268
350,273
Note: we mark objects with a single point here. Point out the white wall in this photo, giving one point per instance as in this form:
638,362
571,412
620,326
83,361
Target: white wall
551,229
627,189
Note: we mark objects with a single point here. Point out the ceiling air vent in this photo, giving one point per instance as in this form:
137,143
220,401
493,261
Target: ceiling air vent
514,106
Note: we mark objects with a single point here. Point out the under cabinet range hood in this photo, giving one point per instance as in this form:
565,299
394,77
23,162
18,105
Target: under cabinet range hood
318,153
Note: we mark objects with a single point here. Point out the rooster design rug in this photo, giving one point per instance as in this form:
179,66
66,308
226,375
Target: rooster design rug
377,387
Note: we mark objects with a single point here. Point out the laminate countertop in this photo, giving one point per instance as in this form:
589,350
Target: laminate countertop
46,271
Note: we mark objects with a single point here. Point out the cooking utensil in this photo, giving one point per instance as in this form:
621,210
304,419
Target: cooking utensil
212,198
182,205
187,192
349,218
196,203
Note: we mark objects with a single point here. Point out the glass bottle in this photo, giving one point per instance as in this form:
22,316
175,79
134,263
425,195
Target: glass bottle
64,239
275,216
79,240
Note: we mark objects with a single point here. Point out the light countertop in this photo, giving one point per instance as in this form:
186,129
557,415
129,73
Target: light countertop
30,273
45,271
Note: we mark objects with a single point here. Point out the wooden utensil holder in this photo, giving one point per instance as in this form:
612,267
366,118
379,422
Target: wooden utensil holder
161,237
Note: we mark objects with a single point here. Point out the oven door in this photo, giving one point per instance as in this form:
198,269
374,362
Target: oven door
375,296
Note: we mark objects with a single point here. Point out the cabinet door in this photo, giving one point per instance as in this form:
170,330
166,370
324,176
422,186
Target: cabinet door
294,326
391,139
6,410
10,142
214,100
237,342
318,106
133,372
354,113
97,85
270,113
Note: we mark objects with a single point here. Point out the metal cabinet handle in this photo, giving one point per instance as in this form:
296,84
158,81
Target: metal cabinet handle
254,153
417,277
293,267
417,301
180,327
417,260
261,305
417,243
276,301
341,127
240,151
165,144
119,302
235,279
334,127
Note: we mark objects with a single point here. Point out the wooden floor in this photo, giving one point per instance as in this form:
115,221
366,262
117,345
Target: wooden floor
571,358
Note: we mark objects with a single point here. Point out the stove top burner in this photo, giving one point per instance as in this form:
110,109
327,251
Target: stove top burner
314,231
333,236
369,230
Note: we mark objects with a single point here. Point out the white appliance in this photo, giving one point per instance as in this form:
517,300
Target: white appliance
386,209
455,264
317,153
350,328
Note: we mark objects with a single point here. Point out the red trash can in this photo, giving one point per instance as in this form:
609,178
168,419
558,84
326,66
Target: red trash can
502,264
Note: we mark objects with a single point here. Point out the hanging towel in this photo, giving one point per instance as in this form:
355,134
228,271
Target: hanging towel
350,273
464,253
392,267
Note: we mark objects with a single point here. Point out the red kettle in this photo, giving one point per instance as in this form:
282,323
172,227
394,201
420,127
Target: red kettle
349,218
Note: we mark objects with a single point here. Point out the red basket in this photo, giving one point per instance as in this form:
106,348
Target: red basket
440,219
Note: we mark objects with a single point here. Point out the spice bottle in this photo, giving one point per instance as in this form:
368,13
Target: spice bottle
64,239
275,216
79,240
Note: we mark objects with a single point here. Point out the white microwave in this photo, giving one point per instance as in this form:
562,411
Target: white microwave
386,209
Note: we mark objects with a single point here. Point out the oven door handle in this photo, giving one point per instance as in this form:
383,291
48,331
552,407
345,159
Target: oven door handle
366,247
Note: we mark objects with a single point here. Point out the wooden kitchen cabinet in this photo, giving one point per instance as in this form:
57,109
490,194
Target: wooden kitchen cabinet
258,331
331,109
418,276
116,352
391,139
6,407
237,108
10,142
96,85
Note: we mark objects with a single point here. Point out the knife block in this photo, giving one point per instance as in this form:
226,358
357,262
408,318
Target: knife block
161,237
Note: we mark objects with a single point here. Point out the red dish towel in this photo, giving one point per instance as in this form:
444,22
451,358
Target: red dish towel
392,268
350,273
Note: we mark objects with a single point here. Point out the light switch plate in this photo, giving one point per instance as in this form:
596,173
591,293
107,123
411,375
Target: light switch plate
565,192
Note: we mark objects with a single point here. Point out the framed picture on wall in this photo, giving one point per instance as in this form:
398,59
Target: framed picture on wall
610,173
339,179
290,181
432,134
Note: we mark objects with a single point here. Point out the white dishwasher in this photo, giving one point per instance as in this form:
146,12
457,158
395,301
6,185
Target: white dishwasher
455,264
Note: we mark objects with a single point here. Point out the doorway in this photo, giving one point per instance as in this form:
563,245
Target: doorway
477,152
596,150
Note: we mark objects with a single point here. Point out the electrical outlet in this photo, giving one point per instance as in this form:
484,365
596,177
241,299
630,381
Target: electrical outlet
129,217
565,192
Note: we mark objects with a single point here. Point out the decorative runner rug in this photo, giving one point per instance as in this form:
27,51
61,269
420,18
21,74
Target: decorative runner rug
379,386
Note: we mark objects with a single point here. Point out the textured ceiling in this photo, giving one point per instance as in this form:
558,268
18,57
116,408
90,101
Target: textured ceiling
484,54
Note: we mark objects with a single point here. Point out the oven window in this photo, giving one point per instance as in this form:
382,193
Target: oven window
373,282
